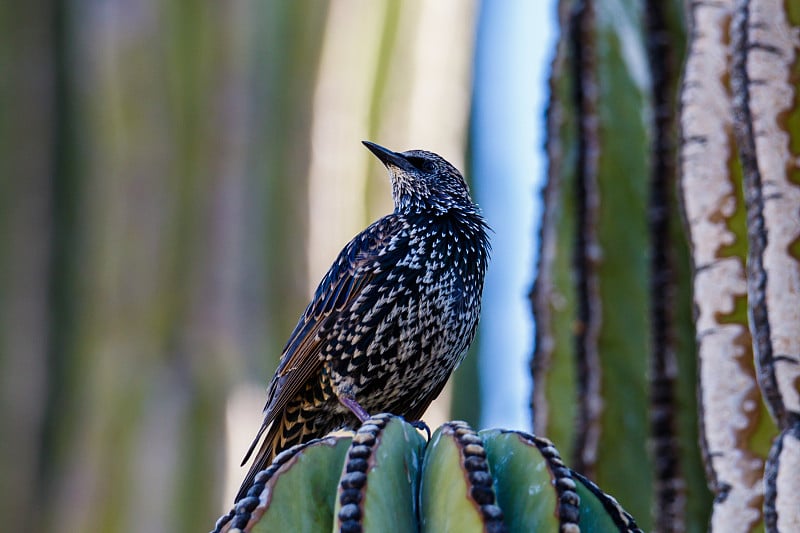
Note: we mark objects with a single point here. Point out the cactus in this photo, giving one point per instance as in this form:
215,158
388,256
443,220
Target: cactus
615,281
387,478
614,360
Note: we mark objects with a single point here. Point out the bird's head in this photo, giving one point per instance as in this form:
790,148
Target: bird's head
423,181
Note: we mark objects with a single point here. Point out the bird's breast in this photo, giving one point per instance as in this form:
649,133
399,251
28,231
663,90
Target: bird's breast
412,325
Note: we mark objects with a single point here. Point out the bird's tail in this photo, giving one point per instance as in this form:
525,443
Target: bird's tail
297,425
266,453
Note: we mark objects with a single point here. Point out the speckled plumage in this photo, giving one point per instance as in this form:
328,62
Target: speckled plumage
393,316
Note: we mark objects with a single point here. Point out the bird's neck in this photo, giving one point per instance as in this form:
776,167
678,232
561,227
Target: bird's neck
465,221
428,207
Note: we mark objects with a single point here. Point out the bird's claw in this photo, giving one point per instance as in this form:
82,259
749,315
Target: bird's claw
355,407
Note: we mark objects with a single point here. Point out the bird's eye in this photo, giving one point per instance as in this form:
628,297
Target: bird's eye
422,164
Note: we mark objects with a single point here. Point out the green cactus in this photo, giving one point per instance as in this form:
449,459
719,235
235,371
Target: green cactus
659,327
291,494
387,478
389,455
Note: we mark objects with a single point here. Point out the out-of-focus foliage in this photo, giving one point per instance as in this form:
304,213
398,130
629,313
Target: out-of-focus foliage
174,179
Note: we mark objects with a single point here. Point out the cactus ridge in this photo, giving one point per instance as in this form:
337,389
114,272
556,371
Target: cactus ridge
568,499
354,479
772,473
620,516
479,478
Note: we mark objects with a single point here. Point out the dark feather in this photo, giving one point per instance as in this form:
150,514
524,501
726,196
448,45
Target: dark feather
350,273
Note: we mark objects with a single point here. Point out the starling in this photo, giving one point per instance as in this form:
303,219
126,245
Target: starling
391,319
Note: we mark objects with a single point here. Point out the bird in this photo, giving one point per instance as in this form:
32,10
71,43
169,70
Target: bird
390,320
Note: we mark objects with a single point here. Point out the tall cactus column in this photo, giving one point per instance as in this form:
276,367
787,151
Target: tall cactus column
735,427
766,80
614,361
742,198
590,299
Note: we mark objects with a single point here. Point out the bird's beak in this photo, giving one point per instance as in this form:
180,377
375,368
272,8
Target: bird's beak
388,157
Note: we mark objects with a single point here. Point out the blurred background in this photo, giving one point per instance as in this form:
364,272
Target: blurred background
175,178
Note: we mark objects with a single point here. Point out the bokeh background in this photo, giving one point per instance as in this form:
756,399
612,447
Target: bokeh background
176,176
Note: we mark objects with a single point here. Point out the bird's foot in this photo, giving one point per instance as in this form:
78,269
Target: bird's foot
354,406
419,424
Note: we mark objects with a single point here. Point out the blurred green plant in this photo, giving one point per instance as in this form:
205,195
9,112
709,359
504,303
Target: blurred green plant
172,174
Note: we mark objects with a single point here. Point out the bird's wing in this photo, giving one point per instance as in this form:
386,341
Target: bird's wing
358,263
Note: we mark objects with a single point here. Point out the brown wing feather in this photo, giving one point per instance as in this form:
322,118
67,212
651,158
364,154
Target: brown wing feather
300,360
301,430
